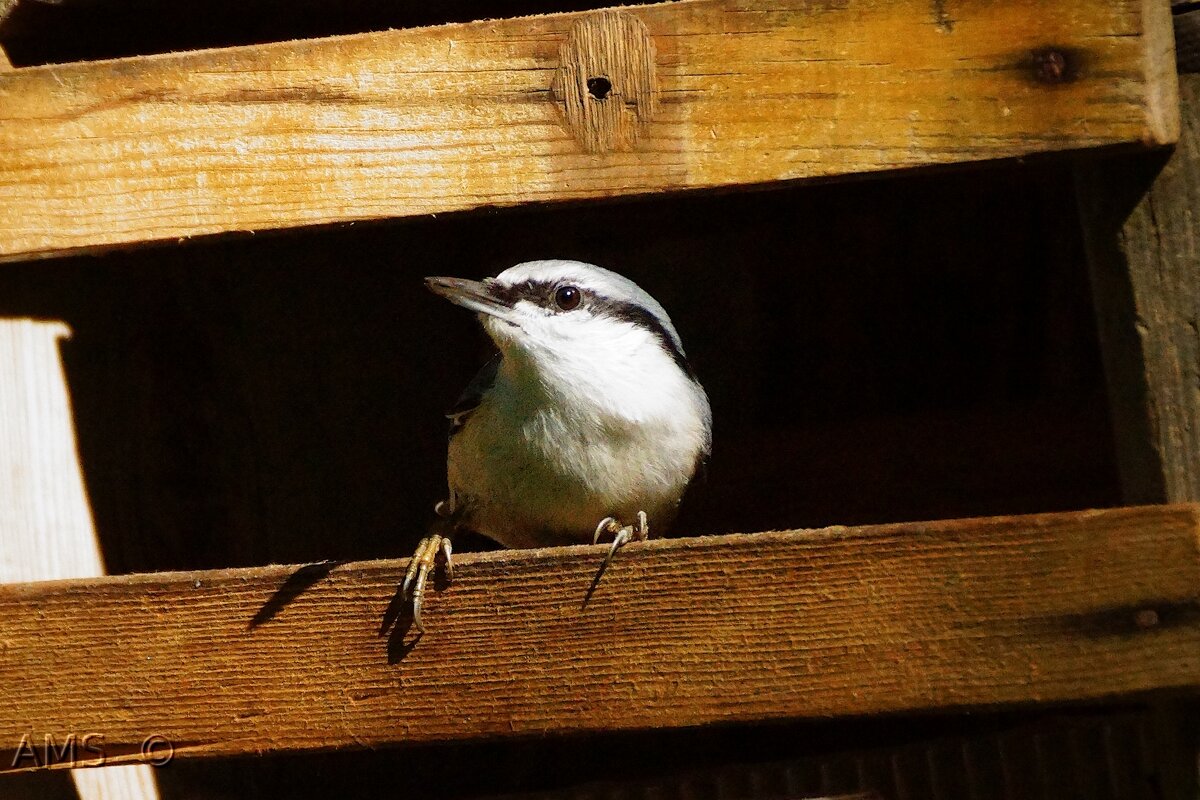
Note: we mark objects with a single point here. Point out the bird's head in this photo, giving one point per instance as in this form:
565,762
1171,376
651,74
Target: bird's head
568,311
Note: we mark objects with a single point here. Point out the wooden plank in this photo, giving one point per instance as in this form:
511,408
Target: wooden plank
1144,256
700,93
842,621
46,528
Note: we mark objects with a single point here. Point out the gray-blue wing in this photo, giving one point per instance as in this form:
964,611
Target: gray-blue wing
469,400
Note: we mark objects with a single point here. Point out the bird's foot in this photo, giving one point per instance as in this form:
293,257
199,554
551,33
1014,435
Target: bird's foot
622,535
423,561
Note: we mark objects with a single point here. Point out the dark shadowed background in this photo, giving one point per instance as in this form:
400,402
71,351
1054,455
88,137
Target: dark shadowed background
908,348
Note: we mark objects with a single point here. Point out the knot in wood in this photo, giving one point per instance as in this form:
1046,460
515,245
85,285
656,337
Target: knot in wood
606,83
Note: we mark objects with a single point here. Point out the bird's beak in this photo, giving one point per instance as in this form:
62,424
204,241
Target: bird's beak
473,295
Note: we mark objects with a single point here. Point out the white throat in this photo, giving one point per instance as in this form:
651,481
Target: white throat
618,371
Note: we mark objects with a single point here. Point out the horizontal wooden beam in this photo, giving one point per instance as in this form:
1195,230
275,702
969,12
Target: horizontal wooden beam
684,632
692,94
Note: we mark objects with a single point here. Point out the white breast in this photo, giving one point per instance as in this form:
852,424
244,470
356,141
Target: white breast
557,445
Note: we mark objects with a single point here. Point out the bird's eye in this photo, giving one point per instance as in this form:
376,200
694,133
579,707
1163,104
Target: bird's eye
567,297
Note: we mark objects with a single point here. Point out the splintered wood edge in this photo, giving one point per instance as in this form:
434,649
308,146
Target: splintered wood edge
836,622
498,113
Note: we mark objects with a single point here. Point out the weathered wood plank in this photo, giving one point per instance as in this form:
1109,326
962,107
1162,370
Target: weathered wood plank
1143,240
700,93
45,520
841,621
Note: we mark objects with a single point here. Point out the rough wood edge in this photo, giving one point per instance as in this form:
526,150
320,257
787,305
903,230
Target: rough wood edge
1162,97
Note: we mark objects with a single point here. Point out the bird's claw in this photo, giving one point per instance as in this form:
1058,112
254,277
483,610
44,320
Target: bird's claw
423,561
622,535
607,525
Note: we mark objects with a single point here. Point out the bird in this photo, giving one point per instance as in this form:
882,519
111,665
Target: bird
588,421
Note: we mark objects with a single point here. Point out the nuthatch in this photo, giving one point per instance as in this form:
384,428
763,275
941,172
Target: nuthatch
590,413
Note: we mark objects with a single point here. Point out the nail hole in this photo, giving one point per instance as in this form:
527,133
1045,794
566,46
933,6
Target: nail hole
599,87
1054,65
1146,618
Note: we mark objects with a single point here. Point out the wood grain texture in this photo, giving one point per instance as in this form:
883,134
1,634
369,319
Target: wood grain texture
1143,244
46,529
1144,256
461,116
841,621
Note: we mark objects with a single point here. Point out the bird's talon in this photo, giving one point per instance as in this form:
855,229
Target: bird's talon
424,560
642,531
447,549
607,525
620,540
622,535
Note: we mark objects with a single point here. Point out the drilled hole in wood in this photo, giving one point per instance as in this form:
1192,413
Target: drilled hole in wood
1056,65
1146,618
599,87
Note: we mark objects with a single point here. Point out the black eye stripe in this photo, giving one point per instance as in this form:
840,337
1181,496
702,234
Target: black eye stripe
541,293
537,292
